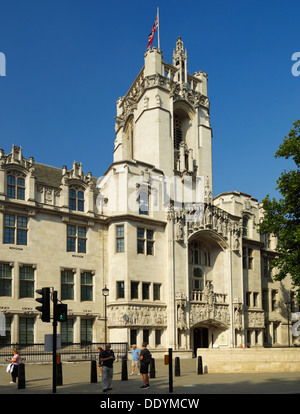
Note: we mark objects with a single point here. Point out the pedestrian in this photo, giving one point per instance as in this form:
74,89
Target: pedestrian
15,361
145,358
107,358
100,349
135,359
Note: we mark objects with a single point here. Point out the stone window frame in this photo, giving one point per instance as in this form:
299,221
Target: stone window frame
15,190
145,243
76,203
120,238
77,239
20,232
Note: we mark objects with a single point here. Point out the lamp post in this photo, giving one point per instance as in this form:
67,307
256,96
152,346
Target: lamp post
288,305
105,293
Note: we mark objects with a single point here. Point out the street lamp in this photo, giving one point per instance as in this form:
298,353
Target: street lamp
288,305
105,293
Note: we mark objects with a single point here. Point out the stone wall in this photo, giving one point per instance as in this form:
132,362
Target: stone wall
250,360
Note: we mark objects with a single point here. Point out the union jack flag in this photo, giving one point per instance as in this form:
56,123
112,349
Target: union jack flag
151,35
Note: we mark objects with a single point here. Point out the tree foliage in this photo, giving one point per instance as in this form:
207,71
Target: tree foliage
282,217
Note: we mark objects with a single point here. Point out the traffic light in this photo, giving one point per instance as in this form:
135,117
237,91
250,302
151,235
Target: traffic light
45,301
61,312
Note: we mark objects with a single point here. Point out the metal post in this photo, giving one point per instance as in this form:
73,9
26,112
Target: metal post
93,371
54,298
105,293
105,322
170,371
200,365
177,367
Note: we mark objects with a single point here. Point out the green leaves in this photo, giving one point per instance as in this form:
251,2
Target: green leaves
282,217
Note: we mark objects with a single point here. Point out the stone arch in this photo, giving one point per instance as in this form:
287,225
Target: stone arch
211,237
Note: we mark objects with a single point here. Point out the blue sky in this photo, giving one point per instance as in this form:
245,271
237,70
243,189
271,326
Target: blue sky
68,61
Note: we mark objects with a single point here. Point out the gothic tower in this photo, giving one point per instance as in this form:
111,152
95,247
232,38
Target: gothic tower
164,119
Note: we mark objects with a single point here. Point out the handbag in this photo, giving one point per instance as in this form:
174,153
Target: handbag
10,367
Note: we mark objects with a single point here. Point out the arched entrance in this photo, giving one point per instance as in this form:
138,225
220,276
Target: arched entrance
200,338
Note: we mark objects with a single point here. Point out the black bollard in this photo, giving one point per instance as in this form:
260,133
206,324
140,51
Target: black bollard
124,369
93,371
59,378
152,368
170,370
21,376
177,367
200,367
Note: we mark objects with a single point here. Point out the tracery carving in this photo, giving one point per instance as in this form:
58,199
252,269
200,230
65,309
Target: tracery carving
254,319
136,315
210,308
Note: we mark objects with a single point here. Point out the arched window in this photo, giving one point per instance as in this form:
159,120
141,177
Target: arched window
16,185
178,135
245,226
76,199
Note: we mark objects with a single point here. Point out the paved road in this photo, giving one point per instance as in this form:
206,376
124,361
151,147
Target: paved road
77,380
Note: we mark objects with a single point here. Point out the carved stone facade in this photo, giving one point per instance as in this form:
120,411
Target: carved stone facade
137,316
181,272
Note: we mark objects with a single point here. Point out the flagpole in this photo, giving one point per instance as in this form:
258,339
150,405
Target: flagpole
158,39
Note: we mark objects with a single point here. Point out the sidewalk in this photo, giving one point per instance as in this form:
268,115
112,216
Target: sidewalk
77,380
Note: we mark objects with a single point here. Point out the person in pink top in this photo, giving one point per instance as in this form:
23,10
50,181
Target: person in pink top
15,361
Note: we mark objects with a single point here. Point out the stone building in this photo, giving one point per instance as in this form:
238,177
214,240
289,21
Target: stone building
184,269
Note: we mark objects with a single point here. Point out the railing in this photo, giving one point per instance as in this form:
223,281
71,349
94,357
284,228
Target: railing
35,353
199,296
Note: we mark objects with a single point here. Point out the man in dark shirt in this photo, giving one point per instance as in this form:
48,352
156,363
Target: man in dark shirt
106,358
145,357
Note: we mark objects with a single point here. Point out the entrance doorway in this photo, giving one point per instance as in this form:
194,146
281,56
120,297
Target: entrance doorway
200,338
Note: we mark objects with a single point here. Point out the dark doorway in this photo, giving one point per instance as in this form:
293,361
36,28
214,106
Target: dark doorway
200,339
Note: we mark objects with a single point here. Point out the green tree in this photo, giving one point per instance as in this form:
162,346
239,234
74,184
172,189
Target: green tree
282,217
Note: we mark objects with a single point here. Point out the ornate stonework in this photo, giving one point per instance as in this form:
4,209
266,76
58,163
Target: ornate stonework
136,315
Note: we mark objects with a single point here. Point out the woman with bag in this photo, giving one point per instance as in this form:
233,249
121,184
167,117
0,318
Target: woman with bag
15,361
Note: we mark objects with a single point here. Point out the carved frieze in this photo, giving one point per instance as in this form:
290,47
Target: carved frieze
202,312
254,319
136,315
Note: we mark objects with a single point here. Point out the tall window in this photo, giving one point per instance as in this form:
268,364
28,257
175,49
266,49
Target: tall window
76,239
274,299
133,336
15,229
145,241
26,329
134,290
178,135
265,300
5,279
157,337
86,331
245,226
146,334
86,286
16,186
156,291
67,284
275,330
76,199
67,332
145,291
120,238
26,282
247,258
144,201
120,290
